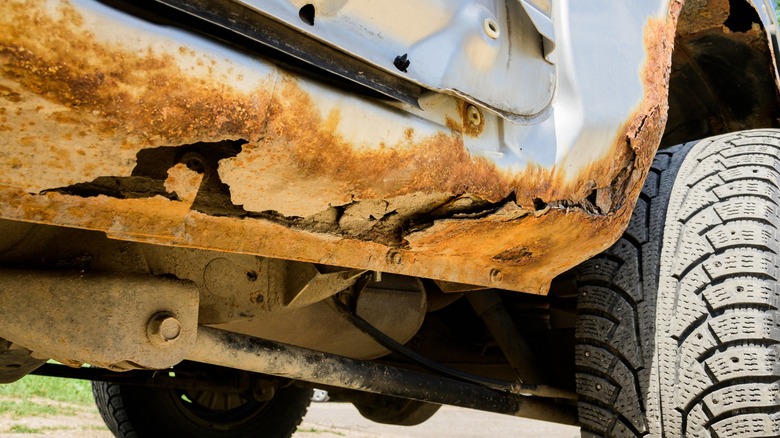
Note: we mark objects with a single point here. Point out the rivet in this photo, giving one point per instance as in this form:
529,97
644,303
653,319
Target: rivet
496,276
491,28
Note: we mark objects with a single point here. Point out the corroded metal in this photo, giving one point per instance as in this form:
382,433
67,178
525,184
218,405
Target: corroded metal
238,351
723,76
157,136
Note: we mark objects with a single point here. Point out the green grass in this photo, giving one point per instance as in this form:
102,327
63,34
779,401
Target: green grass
48,390
21,428
25,408
65,390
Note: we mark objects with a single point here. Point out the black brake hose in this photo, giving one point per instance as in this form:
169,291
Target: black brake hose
392,345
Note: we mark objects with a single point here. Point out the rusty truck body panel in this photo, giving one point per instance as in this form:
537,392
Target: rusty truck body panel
93,105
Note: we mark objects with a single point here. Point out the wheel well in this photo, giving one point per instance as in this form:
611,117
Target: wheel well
722,76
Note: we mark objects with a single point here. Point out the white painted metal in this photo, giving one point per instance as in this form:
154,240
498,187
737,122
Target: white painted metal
487,51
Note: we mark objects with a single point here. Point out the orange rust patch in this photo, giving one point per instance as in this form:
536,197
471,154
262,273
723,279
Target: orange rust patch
466,125
471,127
184,182
144,95
438,164
9,94
698,15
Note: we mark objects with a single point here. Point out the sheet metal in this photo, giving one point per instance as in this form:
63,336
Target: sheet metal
89,95
487,51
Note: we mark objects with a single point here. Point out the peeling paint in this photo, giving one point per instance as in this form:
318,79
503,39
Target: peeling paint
86,111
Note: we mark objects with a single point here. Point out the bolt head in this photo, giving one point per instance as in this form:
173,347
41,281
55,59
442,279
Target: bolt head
164,327
496,276
394,257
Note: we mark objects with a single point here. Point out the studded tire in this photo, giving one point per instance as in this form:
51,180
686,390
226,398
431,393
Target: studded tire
139,411
677,331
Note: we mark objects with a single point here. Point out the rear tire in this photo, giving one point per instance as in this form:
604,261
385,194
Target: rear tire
141,411
677,331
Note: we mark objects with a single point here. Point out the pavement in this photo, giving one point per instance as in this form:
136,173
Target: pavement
342,420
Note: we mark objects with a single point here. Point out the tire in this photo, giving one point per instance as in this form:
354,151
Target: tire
677,331
141,411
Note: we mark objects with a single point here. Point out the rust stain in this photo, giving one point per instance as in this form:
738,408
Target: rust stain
467,125
295,163
724,72
698,15
304,148
146,96
9,94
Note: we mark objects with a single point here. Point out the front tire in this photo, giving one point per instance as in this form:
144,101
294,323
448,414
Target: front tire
677,330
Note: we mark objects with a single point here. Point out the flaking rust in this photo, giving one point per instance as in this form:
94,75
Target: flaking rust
77,108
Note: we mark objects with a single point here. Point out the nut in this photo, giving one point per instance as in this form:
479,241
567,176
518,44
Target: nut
164,327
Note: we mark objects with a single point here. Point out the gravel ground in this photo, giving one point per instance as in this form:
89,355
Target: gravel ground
324,420
71,421
332,420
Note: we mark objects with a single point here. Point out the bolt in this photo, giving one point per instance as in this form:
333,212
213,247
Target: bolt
473,115
496,276
395,258
163,327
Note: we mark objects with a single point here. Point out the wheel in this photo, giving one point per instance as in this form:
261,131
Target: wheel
677,331
143,411
320,396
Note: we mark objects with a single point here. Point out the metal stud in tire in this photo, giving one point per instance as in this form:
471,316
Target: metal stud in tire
678,323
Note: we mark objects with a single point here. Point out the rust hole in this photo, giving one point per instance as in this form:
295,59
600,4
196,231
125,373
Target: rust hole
741,16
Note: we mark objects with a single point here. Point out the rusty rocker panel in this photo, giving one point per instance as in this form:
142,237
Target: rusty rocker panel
154,134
